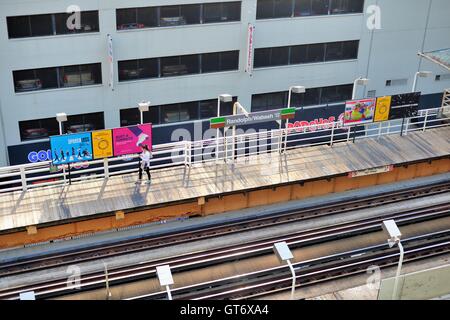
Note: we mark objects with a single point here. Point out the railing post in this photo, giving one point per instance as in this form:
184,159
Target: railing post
23,178
389,127
106,167
407,125
380,126
348,133
332,134
425,121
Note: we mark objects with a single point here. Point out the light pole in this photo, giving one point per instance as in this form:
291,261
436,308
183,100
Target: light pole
221,98
143,106
422,74
61,117
391,228
292,89
283,253
165,278
359,82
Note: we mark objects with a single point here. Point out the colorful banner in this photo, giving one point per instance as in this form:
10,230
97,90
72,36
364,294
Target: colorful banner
127,140
71,148
382,109
359,112
250,35
102,144
111,62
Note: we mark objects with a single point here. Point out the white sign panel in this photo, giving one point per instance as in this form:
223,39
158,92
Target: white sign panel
111,62
249,66
371,171
164,275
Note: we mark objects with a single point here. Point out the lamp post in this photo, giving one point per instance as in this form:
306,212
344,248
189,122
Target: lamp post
359,82
221,98
236,106
421,74
61,117
165,278
143,106
292,89
283,253
391,228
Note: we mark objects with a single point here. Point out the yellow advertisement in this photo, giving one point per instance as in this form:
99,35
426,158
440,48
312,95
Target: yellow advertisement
102,144
383,108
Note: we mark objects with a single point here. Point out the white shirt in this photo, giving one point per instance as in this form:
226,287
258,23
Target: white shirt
145,157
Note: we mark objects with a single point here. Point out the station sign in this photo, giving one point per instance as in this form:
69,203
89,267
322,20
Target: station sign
371,171
252,118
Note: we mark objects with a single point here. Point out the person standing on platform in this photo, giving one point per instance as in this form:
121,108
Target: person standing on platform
145,156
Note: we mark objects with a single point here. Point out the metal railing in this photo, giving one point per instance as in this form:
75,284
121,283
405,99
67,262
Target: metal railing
241,146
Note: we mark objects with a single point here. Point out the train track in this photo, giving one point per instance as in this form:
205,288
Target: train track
205,259
245,224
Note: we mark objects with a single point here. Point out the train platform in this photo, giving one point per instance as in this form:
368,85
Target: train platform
91,206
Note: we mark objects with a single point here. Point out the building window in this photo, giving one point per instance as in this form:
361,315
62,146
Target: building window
271,9
38,129
166,16
84,122
44,128
50,24
310,53
57,77
178,65
312,96
177,112
346,6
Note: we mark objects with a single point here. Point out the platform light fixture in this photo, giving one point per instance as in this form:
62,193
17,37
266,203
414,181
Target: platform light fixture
359,82
390,227
284,254
143,106
224,97
421,74
61,117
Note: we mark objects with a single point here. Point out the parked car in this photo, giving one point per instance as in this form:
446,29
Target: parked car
72,79
28,85
172,21
36,133
127,26
80,128
174,70
131,73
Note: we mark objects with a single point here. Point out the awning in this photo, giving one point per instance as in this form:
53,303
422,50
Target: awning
440,57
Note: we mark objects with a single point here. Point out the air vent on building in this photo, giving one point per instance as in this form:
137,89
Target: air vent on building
396,82
371,93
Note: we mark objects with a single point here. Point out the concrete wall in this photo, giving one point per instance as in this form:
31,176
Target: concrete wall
389,53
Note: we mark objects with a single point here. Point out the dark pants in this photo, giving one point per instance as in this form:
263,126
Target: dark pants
147,169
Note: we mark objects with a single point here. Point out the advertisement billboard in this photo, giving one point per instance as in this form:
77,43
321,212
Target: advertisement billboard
102,144
71,148
126,140
382,109
359,112
404,105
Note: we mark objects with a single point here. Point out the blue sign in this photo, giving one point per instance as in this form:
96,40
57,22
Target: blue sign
71,148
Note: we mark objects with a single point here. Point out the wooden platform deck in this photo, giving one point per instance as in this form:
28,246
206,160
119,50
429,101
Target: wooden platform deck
52,205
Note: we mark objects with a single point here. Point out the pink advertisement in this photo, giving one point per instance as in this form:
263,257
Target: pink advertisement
127,140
